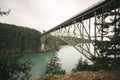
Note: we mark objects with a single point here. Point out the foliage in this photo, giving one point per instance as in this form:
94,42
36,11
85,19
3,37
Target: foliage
82,65
109,48
11,68
18,39
54,67
100,65
53,43
4,12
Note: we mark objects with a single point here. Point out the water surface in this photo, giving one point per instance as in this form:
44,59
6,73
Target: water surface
68,58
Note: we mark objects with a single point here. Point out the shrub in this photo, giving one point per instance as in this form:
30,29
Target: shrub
54,67
82,65
11,68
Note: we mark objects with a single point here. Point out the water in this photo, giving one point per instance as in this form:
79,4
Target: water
39,61
67,54
69,57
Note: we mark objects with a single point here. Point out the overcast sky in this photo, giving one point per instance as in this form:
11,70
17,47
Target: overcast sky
42,14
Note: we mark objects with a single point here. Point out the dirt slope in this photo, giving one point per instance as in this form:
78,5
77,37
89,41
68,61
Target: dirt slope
86,75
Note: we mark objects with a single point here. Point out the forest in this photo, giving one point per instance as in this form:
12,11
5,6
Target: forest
15,38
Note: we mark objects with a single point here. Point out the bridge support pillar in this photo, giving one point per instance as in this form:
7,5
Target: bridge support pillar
42,47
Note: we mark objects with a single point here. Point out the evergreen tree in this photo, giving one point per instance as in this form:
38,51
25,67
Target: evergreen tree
109,47
82,65
10,65
53,66
11,68
19,39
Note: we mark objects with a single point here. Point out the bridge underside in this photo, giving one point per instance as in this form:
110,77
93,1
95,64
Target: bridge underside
84,29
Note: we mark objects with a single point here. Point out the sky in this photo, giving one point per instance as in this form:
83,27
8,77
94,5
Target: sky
41,14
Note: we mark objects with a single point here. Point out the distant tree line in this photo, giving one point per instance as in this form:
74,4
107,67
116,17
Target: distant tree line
19,39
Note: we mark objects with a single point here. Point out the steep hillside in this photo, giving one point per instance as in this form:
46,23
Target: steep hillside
18,39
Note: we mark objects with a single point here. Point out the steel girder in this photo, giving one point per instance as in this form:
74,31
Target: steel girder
83,32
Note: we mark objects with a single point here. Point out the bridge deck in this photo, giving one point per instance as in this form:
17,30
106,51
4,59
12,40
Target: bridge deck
88,13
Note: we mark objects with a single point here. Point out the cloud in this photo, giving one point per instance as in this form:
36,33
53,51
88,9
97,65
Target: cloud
41,14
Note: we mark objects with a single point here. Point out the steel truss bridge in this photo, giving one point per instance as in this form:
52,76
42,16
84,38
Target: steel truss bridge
84,26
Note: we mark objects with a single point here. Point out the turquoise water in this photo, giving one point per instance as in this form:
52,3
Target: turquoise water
68,58
39,61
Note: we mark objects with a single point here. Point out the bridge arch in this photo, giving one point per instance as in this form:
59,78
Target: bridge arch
82,30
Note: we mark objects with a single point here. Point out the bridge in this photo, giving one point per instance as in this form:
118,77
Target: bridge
86,26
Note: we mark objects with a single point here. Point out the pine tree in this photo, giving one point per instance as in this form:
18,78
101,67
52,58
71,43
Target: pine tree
53,66
109,47
10,65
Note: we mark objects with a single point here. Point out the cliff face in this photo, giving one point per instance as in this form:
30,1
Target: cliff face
51,43
51,46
